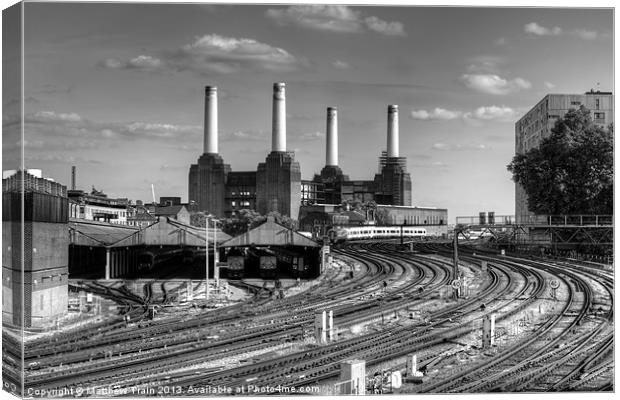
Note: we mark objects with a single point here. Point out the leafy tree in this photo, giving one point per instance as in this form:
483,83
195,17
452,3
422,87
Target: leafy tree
245,220
197,219
382,216
572,170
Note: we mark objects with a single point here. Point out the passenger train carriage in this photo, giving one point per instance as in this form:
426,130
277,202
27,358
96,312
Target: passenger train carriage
236,264
377,232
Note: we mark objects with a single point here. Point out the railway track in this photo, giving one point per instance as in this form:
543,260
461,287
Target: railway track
554,356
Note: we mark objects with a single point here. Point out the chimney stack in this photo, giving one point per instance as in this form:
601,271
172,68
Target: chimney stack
392,131
278,138
210,144
73,177
331,158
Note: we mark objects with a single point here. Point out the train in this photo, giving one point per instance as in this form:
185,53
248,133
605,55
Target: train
266,261
236,264
376,232
146,260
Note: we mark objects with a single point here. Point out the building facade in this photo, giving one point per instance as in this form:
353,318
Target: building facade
35,257
97,206
537,123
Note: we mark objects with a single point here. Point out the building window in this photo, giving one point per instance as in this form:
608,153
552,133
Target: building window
599,117
575,103
597,104
233,203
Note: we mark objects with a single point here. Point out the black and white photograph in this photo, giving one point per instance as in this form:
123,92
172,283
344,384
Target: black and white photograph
211,199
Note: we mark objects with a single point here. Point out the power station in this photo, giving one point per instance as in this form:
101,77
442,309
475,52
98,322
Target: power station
276,185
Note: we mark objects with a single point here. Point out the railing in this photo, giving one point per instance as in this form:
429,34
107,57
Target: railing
484,220
568,220
540,220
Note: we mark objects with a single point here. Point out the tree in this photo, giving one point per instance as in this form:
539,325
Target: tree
382,216
245,220
572,170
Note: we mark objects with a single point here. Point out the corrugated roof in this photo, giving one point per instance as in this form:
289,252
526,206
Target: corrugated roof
168,210
166,231
270,234
143,217
92,233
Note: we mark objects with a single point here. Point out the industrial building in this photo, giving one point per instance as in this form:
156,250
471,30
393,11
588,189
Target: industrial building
276,185
39,246
537,123
97,206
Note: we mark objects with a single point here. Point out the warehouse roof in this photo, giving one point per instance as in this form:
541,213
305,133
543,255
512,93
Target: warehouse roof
270,234
94,233
165,231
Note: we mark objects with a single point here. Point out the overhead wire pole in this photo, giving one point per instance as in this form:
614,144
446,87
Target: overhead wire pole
456,254
456,260
206,258
215,254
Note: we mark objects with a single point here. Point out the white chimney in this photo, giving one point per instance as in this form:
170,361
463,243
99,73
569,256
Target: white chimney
278,138
210,145
331,157
392,131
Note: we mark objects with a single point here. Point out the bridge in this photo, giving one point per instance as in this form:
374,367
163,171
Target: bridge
528,231
114,249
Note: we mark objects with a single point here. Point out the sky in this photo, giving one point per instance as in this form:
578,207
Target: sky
118,89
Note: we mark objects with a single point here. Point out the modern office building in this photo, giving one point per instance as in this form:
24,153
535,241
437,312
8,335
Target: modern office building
537,123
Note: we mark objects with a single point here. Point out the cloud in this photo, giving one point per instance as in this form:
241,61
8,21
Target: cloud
539,30
53,116
436,166
500,41
213,54
246,135
85,134
333,18
60,158
341,64
384,27
436,114
485,64
484,113
460,147
549,85
501,113
494,84
585,34
309,136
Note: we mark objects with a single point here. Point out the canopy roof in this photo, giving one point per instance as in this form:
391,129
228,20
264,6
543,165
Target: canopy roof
270,234
166,231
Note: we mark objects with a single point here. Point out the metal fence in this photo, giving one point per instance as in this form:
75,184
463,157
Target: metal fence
540,220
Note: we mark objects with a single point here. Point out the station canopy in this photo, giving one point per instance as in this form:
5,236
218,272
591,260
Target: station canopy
164,232
270,233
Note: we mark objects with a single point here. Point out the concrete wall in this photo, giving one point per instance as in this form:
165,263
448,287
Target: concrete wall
45,274
49,303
